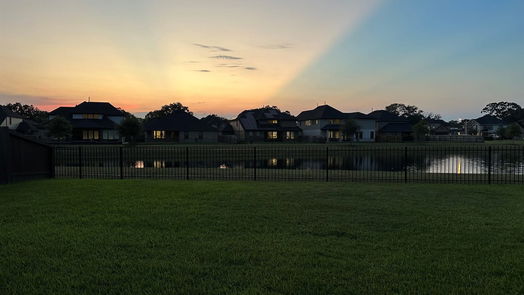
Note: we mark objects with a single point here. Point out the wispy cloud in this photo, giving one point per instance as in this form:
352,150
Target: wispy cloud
228,66
250,68
213,48
203,71
277,46
229,57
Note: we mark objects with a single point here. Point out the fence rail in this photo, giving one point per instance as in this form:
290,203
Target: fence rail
433,164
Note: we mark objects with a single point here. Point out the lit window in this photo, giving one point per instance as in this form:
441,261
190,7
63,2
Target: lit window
159,134
90,134
307,123
290,135
334,134
272,162
272,135
273,121
335,121
91,116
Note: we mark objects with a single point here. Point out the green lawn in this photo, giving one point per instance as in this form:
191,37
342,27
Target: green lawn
176,237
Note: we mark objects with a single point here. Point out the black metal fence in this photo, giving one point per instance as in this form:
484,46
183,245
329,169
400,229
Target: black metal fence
22,158
432,164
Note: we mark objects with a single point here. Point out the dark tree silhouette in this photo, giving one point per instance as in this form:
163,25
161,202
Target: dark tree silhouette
504,110
130,128
29,111
167,110
214,120
59,128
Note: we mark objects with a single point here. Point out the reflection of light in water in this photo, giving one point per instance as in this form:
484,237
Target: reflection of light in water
273,162
222,166
459,167
159,164
290,162
139,164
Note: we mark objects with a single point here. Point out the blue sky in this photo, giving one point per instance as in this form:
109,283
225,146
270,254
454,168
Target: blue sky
448,57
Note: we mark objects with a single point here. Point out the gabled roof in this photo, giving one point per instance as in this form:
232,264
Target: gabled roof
385,116
256,119
488,120
397,127
178,121
321,112
5,112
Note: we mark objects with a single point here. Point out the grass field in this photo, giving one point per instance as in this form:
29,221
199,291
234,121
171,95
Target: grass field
176,237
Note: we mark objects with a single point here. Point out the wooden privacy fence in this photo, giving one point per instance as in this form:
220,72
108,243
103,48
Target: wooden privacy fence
22,158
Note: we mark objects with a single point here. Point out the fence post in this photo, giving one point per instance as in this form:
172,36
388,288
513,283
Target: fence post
489,165
187,163
4,155
405,164
327,164
80,162
52,163
121,162
255,163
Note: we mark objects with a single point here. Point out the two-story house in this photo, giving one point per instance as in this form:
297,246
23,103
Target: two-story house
92,121
325,123
486,126
265,124
390,127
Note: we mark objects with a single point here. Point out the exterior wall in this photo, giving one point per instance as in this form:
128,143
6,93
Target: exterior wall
313,132
11,123
239,130
367,127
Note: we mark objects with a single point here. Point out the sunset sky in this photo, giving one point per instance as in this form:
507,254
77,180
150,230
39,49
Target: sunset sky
222,56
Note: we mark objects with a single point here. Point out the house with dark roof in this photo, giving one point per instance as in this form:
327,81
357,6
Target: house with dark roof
92,121
391,127
9,118
325,123
486,126
265,124
179,127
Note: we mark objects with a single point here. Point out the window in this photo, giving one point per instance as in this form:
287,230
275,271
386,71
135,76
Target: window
272,135
290,135
159,134
109,134
307,123
335,121
372,134
359,135
333,134
91,116
272,121
90,135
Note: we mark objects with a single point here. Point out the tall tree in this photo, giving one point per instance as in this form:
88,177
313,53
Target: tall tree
409,112
509,111
349,128
167,110
28,111
130,128
59,128
214,120
420,130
